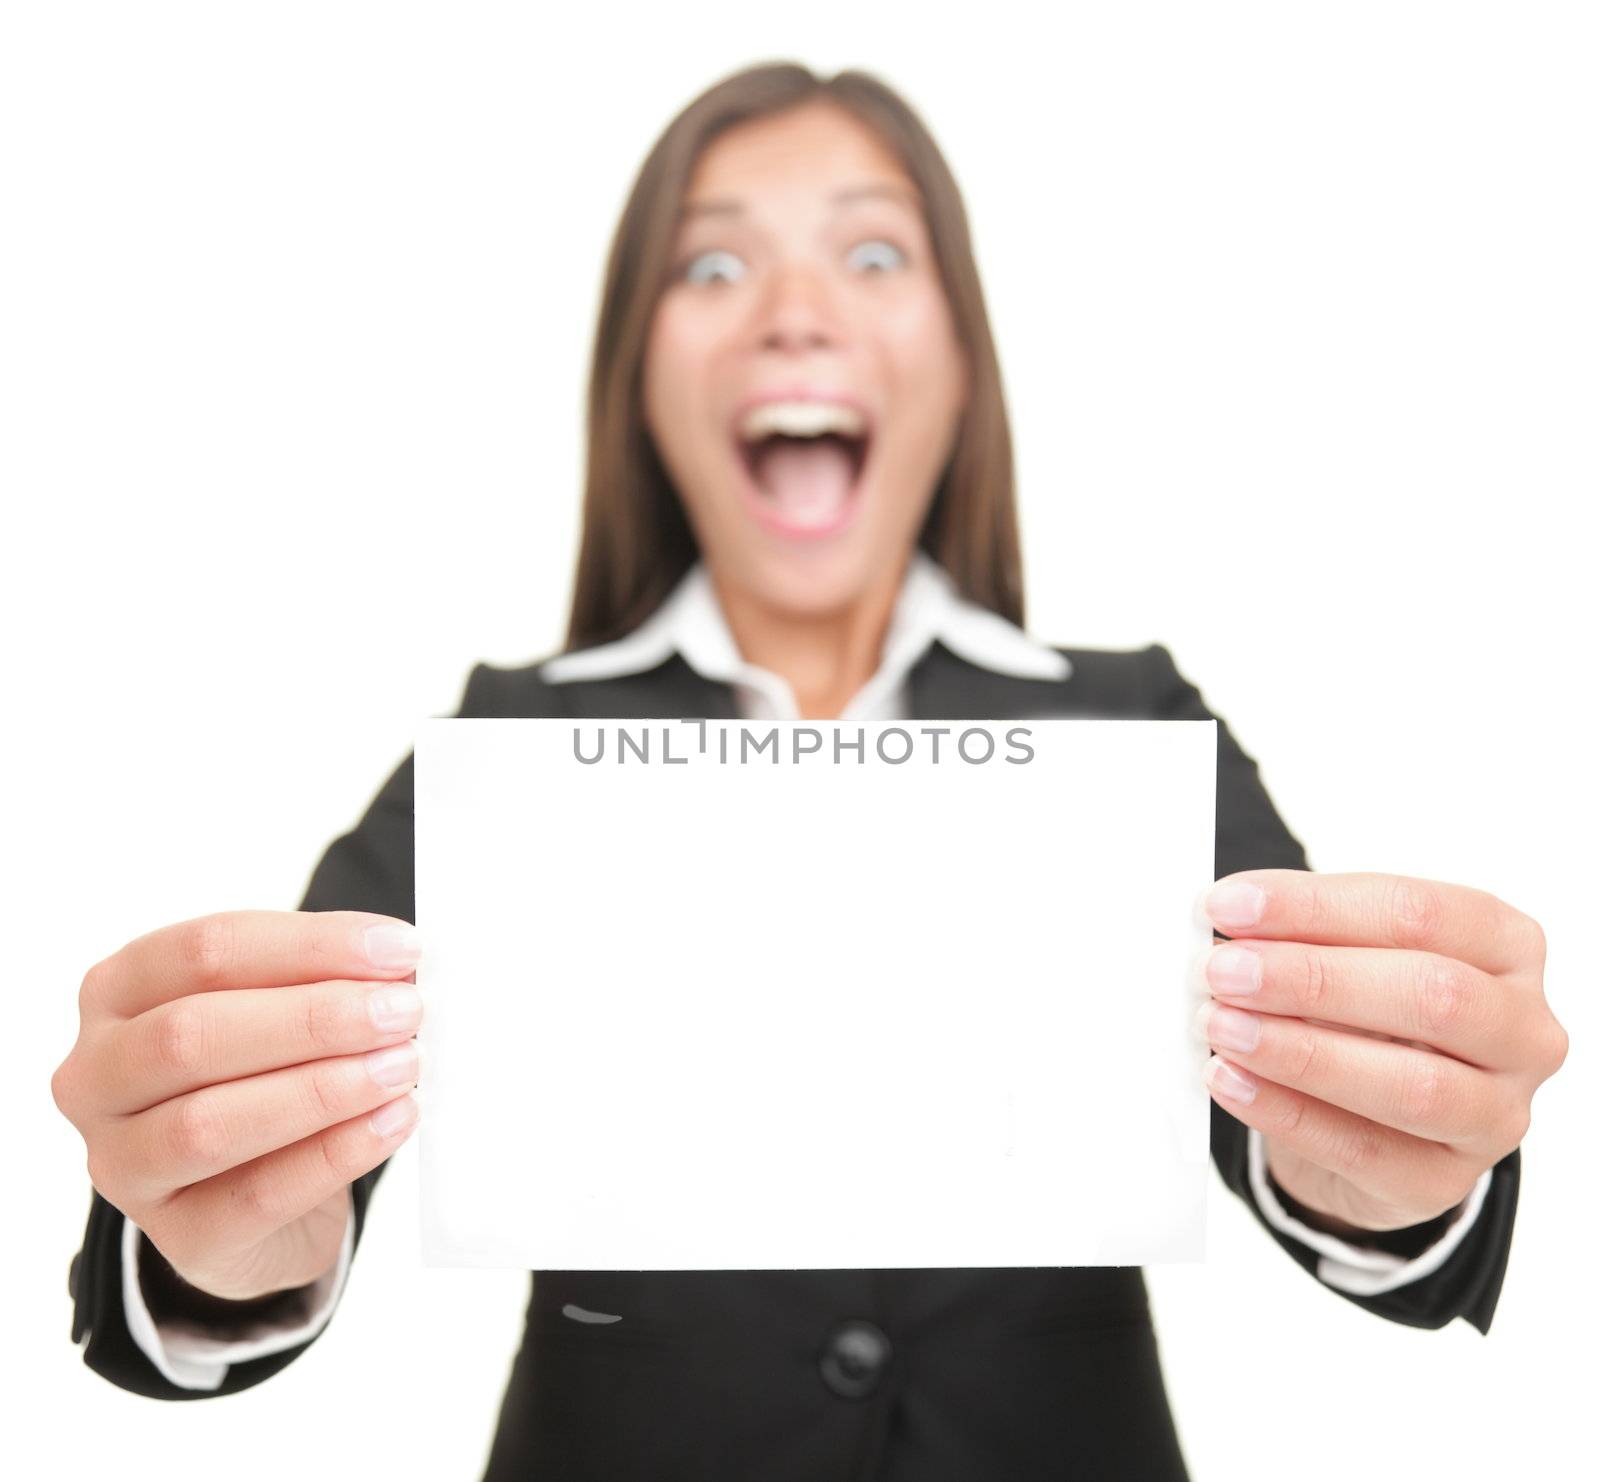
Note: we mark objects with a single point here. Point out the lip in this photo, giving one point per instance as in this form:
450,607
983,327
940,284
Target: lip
799,393
751,497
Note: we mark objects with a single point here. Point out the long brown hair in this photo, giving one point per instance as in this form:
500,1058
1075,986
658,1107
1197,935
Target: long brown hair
636,540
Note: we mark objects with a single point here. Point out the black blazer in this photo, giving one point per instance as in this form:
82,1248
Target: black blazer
802,1376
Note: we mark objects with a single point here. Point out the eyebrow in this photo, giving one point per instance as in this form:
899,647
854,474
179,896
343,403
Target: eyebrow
848,196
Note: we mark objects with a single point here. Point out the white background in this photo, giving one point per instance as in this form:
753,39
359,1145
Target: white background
1298,312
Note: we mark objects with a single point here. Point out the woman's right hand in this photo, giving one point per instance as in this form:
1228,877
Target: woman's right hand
234,1074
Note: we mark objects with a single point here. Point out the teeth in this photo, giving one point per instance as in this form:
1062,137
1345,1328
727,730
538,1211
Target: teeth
801,419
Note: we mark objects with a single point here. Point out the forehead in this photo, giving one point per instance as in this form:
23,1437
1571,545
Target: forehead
815,146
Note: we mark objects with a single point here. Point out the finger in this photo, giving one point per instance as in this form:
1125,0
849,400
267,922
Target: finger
1455,1007
1391,1166
253,1200
203,1133
250,949
1412,1090
204,1039
1373,910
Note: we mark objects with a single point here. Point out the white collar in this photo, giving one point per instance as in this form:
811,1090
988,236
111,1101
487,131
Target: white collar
690,622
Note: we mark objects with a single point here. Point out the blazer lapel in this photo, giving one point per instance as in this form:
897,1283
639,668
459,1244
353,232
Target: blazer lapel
670,691
946,687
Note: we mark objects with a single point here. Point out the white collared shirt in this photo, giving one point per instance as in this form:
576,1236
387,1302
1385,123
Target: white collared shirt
691,624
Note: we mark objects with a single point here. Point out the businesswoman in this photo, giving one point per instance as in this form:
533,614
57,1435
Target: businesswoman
799,504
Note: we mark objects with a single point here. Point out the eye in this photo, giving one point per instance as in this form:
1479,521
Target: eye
716,266
876,256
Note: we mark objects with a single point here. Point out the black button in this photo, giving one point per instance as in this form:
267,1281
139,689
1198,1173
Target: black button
853,1359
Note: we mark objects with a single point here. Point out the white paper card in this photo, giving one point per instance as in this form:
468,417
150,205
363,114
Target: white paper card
706,995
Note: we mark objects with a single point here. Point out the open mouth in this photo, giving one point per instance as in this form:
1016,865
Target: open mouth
803,460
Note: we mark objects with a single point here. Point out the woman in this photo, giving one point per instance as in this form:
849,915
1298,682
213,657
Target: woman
800,505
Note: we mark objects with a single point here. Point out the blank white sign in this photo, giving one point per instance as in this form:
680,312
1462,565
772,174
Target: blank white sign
706,995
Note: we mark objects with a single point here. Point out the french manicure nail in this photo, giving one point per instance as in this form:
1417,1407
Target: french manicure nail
1234,904
1226,1081
396,1066
1232,969
393,944
1231,1029
393,1117
395,1008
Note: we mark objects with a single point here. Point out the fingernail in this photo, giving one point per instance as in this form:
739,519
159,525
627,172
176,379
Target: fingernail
394,1009
1235,903
393,1117
1231,1029
1233,969
396,1066
392,945
1226,1081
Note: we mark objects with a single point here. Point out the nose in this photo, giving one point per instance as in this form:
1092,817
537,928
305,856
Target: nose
797,313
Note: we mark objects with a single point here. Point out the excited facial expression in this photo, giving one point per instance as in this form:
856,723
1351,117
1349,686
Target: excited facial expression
803,378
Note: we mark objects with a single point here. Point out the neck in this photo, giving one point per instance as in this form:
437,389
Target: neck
825,656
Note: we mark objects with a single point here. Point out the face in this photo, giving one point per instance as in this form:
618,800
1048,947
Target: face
803,381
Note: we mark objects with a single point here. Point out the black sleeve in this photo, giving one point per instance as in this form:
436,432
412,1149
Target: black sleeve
368,869
1251,835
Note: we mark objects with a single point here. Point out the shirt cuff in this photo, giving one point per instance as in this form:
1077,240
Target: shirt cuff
1358,1270
188,1356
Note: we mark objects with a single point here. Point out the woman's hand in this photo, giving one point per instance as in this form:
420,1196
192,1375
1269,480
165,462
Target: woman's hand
1384,1034
234,1074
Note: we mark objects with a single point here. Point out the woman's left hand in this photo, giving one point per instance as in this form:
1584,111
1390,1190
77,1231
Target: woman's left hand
1392,1043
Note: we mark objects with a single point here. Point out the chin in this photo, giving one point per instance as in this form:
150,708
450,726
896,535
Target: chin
816,580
